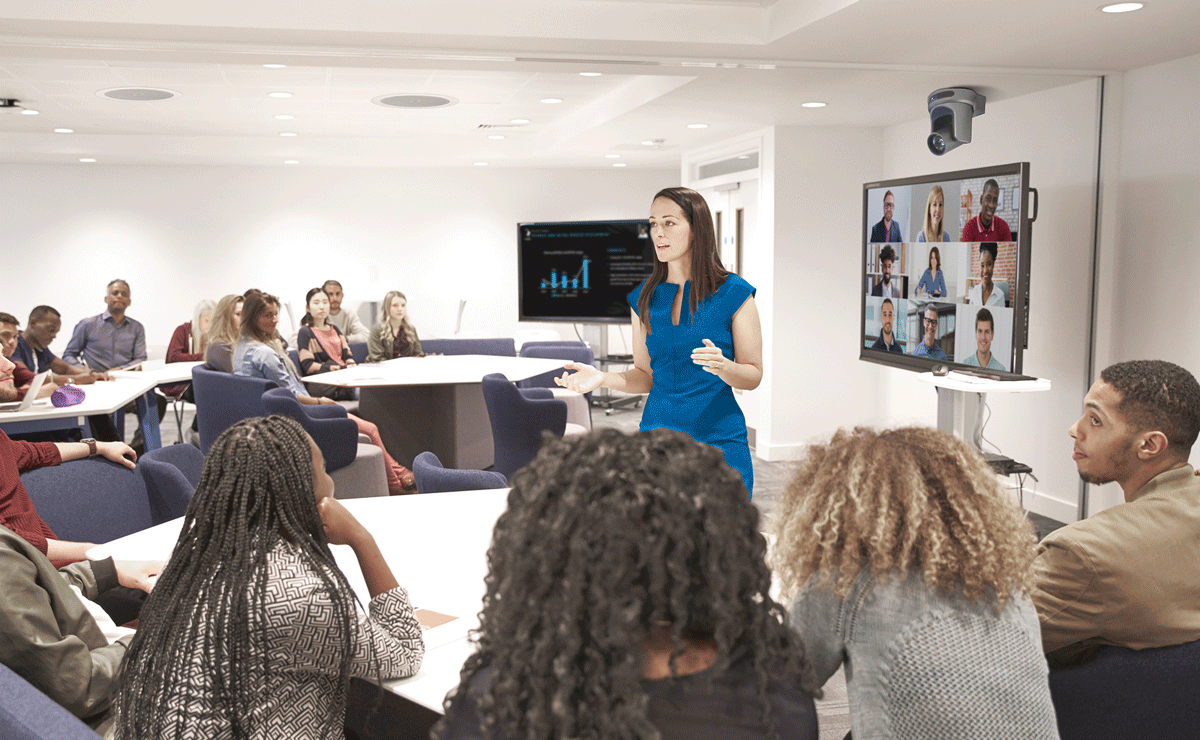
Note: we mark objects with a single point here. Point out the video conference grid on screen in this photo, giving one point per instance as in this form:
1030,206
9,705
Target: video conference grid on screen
942,267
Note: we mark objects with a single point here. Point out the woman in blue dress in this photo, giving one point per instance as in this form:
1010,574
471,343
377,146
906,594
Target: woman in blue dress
696,335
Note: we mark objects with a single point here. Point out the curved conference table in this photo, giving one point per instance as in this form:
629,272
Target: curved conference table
433,403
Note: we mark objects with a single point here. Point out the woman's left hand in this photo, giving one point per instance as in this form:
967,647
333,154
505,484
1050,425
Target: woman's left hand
710,358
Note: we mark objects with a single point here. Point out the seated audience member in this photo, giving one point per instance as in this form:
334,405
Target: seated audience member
933,282
346,321
628,596
985,292
33,349
909,565
188,345
54,636
987,226
110,339
252,629
259,355
393,336
223,334
985,329
22,376
928,346
887,318
321,347
1128,575
935,206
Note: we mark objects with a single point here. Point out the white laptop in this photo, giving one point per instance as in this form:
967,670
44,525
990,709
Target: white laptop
30,395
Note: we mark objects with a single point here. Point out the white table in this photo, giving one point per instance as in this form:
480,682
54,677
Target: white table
433,403
436,544
163,374
101,397
961,397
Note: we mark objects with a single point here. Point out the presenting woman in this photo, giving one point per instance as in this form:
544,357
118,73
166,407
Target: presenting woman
321,346
932,283
696,335
910,566
252,630
628,597
935,206
259,354
394,336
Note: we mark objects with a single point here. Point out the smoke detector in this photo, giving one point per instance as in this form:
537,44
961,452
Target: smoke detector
418,101
138,94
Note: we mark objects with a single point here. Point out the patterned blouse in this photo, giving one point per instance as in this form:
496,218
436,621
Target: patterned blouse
301,698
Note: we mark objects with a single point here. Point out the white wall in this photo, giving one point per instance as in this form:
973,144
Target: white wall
179,234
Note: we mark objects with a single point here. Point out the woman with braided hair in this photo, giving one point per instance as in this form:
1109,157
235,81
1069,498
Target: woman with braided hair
252,630
909,564
628,597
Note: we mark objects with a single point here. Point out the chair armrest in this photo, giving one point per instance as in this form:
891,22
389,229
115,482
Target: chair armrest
536,393
325,411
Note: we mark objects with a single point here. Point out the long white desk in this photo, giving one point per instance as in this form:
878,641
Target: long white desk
433,403
101,397
436,544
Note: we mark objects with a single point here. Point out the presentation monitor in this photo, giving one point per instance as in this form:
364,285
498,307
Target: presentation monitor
945,270
581,271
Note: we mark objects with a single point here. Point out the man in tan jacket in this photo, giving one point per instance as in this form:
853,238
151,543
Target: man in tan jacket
1128,575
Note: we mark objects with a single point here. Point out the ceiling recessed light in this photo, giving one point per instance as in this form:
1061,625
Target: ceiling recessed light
495,137
551,101
520,121
284,117
618,164
86,159
64,130
137,94
648,143
287,133
279,95
291,161
1122,7
29,112
812,104
590,74
274,66
612,156
744,156
481,164
415,101
697,125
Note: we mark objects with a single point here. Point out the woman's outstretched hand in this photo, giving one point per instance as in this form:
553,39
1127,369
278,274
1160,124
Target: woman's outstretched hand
710,358
585,379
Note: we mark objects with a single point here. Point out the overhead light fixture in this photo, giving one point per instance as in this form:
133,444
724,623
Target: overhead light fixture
275,66
29,112
86,159
520,121
287,133
279,95
415,101
697,125
1122,7
551,101
618,164
813,104
284,117
649,143
744,156
291,161
590,74
612,156
138,94
64,130
481,164
495,137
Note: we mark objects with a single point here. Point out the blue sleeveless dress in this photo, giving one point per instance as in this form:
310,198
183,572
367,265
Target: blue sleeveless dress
684,396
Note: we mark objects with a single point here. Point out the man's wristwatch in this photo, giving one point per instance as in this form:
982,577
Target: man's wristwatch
92,449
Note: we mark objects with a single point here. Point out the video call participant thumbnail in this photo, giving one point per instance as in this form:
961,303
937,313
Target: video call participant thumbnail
885,286
985,330
887,340
929,346
987,226
985,293
887,230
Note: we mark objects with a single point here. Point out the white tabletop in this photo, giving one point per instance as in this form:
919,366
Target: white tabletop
174,372
437,370
436,544
957,381
101,397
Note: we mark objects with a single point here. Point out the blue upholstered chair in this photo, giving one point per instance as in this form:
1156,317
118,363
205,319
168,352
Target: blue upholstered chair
1130,694
518,418
28,714
358,350
501,346
171,474
433,478
294,356
223,399
577,412
357,469
91,500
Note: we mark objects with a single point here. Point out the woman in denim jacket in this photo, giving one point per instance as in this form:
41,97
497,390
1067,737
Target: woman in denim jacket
908,564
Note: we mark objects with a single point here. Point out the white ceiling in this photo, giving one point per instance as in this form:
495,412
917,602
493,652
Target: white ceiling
737,65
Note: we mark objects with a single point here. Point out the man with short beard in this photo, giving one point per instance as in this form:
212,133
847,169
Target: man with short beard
1128,575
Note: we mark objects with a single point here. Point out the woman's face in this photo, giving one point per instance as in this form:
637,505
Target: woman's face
986,263
671,232
396,310
205,322
322,483
318,305
268,320
237,313
935,210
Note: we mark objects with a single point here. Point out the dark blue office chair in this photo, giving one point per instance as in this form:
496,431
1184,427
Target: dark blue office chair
1130,694
518,418
28,714
501,346
91,500
171,475
358,350
223,399
431,477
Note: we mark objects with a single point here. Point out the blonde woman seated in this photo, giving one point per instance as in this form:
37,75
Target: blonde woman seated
907,564
394,336
259,354
224,331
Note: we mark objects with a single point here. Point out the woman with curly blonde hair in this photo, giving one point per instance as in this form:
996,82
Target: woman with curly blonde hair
905,561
